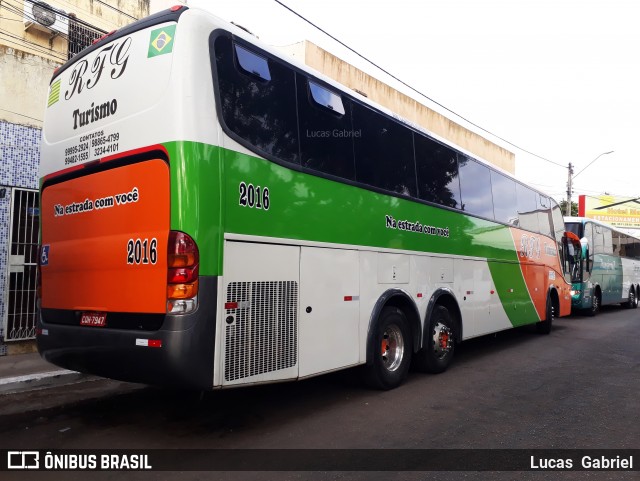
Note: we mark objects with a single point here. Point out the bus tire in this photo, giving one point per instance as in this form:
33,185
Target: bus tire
440,340
392,350
544,327
595,305
632,303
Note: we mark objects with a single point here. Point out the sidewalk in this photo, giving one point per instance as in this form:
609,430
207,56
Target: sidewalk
24,372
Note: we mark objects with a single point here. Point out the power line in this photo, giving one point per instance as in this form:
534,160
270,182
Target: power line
38,48
89,13
414,89
117,10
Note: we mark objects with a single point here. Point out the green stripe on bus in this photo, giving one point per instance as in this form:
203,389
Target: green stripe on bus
310,208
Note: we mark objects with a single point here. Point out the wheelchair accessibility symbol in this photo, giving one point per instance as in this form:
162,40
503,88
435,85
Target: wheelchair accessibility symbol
44,255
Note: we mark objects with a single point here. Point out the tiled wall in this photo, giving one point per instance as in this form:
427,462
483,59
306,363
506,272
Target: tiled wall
19,159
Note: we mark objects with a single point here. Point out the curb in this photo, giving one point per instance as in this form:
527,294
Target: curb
41,380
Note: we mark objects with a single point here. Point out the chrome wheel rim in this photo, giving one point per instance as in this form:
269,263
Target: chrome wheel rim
442,340
392,348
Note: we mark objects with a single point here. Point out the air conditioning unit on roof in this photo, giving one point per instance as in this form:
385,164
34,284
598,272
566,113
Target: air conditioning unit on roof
44,17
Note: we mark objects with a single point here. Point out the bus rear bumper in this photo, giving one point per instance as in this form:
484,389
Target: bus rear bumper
178,354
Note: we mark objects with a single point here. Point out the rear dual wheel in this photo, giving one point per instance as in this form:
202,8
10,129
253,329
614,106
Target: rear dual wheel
392,350
439,346
544,327
632,303
595,305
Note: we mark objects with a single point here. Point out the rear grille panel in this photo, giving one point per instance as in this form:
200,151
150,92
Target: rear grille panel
263,336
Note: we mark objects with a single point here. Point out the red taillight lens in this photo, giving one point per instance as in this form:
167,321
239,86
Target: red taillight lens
183,251
182,274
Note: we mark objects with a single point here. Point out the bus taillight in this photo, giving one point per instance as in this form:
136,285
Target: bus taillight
182,273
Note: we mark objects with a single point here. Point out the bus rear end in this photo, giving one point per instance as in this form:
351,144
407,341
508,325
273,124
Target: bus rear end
119,280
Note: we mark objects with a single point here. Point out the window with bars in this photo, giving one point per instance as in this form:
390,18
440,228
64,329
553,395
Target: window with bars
20,311
81,36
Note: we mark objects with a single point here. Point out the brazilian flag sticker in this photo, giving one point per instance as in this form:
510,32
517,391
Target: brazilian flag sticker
161,41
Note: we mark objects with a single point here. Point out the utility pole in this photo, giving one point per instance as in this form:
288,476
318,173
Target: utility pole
569,190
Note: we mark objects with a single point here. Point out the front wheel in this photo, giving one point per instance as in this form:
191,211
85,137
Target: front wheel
437,352
392,350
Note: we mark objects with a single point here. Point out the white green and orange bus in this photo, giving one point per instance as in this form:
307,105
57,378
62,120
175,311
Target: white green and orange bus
609,268
216,214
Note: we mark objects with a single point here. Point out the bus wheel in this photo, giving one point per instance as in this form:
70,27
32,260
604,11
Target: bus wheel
392,351
595,305
632,303
437,353
544,327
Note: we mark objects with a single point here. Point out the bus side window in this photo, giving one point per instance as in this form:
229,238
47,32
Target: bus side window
383,151
607,236
257,100
504,189
475,187
618,245
326,143
437,169
527,208
544,215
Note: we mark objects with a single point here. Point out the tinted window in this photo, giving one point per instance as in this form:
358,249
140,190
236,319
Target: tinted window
384,152
475,187
527,207
261,112
326,140
504,198
574,227
627,245
618,244
437,168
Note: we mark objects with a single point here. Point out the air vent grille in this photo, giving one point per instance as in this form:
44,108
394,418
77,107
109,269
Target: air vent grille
263,336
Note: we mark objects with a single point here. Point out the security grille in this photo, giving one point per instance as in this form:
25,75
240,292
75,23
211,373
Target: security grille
81,36
263,336
20,311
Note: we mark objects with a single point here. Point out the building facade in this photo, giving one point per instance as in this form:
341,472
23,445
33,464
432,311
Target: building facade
35,38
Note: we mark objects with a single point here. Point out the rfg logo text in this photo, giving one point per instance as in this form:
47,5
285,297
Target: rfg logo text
23,460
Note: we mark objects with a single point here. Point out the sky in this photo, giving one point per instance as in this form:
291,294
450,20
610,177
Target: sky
557,79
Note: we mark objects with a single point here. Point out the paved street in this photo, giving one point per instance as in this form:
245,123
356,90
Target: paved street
576,388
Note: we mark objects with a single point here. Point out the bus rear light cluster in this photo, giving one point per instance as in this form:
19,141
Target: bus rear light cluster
182,275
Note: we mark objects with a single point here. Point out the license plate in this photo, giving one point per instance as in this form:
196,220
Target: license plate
95,319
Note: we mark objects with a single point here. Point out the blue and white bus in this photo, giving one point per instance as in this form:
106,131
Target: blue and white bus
609,269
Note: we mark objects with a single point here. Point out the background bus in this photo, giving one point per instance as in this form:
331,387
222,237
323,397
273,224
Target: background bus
215,215
609,272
